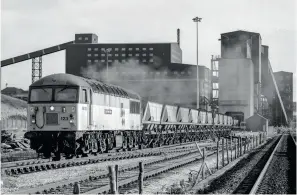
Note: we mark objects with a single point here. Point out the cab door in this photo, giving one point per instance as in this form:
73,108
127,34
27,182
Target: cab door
84,116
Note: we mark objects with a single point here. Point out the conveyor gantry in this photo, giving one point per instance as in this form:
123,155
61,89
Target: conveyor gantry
36,57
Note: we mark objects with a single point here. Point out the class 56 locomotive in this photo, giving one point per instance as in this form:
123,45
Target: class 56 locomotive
73,115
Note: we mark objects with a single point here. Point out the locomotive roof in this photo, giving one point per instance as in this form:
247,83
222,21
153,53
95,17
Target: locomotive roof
72,80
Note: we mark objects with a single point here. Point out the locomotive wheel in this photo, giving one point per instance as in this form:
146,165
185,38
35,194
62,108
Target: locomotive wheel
57,156
68,156
47,154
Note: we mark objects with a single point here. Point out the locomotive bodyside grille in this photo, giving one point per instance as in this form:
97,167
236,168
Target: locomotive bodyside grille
52,119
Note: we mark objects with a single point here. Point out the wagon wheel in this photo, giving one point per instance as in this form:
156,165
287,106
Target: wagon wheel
130,142
103,146
94,146
110,140
125,142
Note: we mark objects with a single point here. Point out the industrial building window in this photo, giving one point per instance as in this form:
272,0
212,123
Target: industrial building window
116,49
151,60
137,49
123,49
89,55
175,72
144,49
89,61
130,49
137,60
89,49
123,60
151,54
144,60
102,49
102,60
95,49
130,54
96,55
182,72
116,60
86,38
151,49
79,38
109,54
109,60
123,55
96,60
116,54
102,54
137,54
144,54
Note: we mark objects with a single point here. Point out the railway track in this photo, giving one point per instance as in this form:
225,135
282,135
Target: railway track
29,166
279,174
126,175
257,181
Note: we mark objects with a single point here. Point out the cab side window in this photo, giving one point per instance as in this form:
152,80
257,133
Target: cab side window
84,96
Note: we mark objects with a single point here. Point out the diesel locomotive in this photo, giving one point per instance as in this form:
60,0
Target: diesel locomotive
74,116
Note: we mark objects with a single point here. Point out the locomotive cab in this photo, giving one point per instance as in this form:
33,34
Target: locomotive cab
52,108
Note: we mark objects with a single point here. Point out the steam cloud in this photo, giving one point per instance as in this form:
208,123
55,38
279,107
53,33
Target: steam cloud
152,82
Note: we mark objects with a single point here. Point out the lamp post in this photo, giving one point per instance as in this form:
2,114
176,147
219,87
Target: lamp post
106,51
196,20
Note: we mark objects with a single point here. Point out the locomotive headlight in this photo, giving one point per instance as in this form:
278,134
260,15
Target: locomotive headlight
52,108
33,120
71,118
73,109
63,109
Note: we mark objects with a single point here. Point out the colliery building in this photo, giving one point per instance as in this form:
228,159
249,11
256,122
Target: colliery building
86,51
247,84
153,70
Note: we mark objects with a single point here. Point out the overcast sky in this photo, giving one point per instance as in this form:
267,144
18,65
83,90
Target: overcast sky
29,25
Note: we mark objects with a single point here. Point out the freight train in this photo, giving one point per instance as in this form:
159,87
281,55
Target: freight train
75,116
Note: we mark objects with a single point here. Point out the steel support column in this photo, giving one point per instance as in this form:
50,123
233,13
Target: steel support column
36,68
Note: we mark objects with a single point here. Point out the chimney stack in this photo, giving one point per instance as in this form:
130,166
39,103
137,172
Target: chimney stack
178,36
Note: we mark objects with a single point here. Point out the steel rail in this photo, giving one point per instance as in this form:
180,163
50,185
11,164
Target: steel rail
49,188
264,170
42,166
